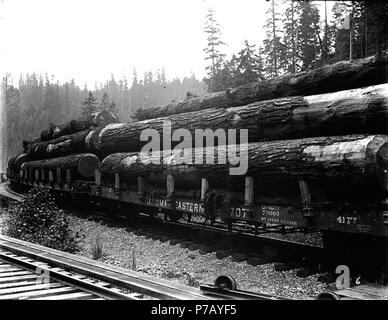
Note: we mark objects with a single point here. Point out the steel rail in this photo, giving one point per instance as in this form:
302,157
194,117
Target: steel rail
134,281
215,291
7,192
68,279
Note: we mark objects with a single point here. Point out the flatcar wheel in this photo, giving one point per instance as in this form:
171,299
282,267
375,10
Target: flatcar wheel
225,282
327,295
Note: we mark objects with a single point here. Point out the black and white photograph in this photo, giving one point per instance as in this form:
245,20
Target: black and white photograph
190,154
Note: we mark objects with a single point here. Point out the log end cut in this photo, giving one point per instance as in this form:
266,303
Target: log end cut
17,161
82,165
87,165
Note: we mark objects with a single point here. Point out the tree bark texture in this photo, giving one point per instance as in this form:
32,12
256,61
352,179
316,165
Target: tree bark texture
342,75
65,145
83,164
98,119
355,158
356,111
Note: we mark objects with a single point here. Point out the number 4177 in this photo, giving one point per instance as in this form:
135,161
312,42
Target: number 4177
346,220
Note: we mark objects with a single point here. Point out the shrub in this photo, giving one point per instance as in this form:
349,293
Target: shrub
37,219
134,262
97,248
191,279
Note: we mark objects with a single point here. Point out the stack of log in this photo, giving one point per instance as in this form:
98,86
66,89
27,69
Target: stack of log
352,156
363,110
356,111
66,131
343,75
299,125
81,165
65,146
331,136
97,119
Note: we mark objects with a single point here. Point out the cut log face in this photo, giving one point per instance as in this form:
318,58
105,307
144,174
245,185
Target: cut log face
356,111
352,158
15,163
83,164
329,78
87,165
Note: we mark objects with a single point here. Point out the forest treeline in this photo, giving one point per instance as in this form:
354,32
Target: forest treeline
297,38
37,100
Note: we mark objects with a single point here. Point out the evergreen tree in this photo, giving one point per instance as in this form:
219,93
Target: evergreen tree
212,51
104,104
326,43
222,79
371,18
274,48
249,68
89,106
289,39
26,105
340,36
366,22
309,43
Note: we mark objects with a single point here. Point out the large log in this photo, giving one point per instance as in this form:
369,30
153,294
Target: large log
98,119
15,163
355,111
357,158
65,145
329,78
83,165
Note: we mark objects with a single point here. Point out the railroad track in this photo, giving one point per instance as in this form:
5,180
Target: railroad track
23,278
74,277
7,192
32,271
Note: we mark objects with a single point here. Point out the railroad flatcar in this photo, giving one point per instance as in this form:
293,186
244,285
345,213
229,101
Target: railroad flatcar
250,203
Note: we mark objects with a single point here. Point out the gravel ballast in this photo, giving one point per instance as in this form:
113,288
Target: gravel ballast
167,259
162,259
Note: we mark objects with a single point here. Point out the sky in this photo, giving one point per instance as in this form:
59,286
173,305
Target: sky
89,40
